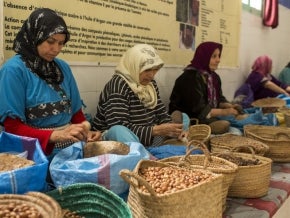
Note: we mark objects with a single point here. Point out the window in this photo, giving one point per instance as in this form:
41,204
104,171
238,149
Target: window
253,6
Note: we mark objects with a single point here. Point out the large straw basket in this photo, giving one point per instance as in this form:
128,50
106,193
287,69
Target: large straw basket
250,181
276,137
91,200
46,206
269,105
199,201
207,161
230,141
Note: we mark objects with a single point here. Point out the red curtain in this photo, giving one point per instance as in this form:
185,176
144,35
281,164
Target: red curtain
270,13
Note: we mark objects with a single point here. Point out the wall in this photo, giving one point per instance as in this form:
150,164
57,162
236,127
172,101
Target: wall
255,40
258,40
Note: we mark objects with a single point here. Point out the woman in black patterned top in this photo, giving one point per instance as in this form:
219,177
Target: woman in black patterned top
130,107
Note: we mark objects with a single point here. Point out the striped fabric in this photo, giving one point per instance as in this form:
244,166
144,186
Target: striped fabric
118,105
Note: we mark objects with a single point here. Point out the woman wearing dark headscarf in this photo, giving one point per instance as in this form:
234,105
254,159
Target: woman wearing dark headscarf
39,95
197,91
262,82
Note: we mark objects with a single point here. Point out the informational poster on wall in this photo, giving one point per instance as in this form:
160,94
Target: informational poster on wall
102,30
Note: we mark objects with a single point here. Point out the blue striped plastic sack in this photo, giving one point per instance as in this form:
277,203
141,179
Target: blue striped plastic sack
68,167
22,180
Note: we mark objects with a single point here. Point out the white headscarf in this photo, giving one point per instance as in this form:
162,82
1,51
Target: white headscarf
135,60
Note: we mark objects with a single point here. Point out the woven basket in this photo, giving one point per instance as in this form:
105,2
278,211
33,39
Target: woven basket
45,205
276,137
230,141
250,181
199,201
200,132
91,200
269,105
208,162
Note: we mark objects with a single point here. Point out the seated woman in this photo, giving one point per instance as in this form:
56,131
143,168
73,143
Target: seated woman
198,92
284,75
130,108
262,83
39,95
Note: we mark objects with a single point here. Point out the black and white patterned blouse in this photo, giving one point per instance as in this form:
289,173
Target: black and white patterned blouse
118,105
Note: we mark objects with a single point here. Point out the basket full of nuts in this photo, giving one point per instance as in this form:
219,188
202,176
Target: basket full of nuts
206,161
253,175
162,190
32,204
229,141
276,137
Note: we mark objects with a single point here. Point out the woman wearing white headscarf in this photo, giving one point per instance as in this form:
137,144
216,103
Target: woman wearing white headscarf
130,105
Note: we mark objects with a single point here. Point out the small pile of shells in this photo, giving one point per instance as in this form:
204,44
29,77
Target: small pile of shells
166,180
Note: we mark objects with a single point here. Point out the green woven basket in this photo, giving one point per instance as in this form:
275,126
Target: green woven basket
91,200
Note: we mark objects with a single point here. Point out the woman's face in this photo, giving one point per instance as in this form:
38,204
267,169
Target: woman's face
51,47
147,76
214,60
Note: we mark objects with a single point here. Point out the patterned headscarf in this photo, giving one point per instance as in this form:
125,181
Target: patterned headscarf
41,24
201,62
263,65
135,60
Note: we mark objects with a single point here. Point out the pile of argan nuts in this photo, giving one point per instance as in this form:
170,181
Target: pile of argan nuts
19,210
165,180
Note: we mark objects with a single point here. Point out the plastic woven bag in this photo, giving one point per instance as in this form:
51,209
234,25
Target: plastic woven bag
69,167
30,178
255,116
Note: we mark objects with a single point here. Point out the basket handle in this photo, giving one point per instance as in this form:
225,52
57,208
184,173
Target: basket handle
223,154
180,163
127,174
281,134
195,120
200,145
238,148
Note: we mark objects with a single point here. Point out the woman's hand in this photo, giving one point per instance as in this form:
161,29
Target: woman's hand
287,90
225,105
74,132
94,136
168,129
231,111
183,136
215,112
